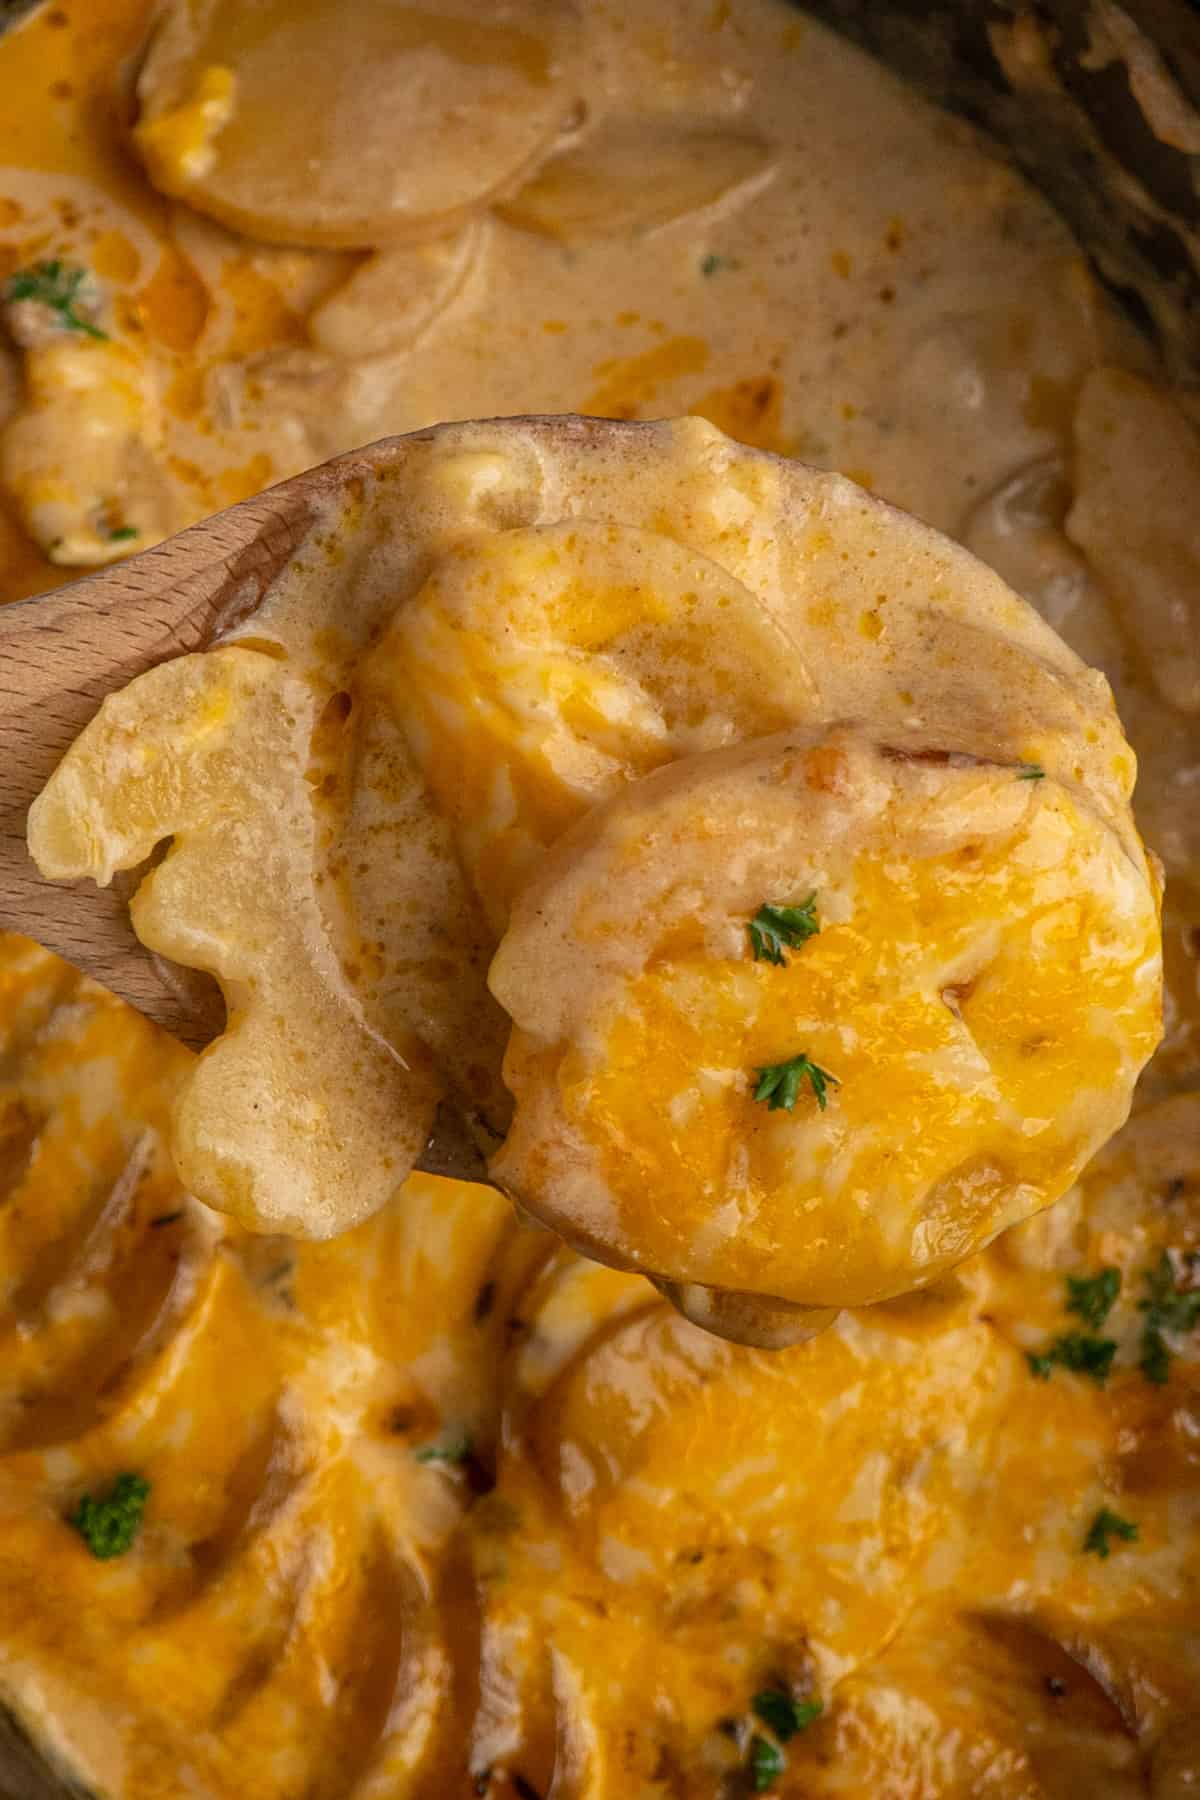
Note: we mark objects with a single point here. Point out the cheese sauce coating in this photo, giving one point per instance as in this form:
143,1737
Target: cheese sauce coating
986,997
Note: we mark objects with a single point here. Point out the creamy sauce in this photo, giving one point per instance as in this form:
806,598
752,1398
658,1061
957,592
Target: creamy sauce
891,302
892,1518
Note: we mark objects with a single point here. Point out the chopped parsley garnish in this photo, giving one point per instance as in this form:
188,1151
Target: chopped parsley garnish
108,1524
1155,1359
1076,1351
1085,1355
56,285
712,264
774,926
454,1450
1108,1524
109,525
779,1084
1166,1309
1032,772
783,1715
1093,1297
767,1763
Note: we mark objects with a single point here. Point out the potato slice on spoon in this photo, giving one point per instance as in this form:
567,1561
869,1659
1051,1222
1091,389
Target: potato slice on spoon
696,597
537,670
808,1021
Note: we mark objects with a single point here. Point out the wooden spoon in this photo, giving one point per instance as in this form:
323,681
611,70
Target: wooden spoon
62,652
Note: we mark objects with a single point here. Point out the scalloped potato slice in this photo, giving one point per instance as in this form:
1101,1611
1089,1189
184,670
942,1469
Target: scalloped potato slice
536,671
641,1462
395,295
410,938
300,1117
969,1019
633,175
979,1704
647,1446
282,123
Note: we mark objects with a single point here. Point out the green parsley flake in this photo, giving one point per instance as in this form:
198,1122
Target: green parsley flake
1093,1297
1076,1351
779,1083
1032,772
1166,1309
767,1763
109,1524
58,286
121,534
1155,1359
783,1715
1108,1524
454,1450
774,926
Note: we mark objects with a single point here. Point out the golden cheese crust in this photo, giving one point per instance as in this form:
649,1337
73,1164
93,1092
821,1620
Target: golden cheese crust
436,1507
537,671
972,1013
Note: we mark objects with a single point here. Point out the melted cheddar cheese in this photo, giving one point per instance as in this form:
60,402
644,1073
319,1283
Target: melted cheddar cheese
553,663
277,1397
536,671
976,1054
437,1508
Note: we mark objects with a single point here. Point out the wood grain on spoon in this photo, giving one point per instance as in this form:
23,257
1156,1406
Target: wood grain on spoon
60,655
